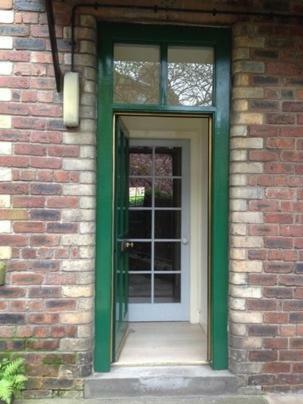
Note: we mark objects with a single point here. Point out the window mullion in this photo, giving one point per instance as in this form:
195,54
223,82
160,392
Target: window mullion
164,75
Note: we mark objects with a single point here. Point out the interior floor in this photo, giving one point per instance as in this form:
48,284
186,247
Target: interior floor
163,343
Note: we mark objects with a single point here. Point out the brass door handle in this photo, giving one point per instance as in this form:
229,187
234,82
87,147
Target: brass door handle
126,245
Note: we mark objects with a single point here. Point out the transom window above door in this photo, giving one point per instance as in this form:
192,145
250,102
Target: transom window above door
163,75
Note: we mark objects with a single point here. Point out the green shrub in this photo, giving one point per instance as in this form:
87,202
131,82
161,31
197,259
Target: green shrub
12,378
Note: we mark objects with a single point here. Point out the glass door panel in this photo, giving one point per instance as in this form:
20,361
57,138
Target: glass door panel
140,161
140,192
158,210
167,288
140,257
168,224
168,192
167,256
168,161
140,224
139,288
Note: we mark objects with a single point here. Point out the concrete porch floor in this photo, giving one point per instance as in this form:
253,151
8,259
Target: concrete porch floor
158,343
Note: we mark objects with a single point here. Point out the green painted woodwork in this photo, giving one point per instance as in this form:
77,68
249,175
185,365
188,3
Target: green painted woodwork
120,267
219,211
104,214
162,109
219,38
164,76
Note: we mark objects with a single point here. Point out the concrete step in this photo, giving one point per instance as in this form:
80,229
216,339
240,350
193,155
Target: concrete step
157,381
223,399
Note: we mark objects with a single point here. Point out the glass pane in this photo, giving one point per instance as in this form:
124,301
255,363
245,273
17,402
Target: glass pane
167,257
139,288
168,161
190,75
136,74
167,288
139,257
167,224
139,224
168,193
140,161
140,192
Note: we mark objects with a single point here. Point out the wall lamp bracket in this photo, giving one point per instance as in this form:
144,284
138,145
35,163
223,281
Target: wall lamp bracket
53,41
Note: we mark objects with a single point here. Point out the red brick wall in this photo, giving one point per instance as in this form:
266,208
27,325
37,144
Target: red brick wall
266,333
47,203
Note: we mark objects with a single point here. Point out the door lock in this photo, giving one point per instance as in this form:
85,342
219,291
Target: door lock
126,245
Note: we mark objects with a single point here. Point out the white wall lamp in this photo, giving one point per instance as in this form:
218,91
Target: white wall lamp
71,90
71,86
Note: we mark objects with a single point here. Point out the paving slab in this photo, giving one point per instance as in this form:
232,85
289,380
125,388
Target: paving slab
278,398
227,399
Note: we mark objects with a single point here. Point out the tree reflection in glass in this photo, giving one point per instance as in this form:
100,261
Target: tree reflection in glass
190,76
136,74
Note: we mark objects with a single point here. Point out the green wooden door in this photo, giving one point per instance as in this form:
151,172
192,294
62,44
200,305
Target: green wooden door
120,236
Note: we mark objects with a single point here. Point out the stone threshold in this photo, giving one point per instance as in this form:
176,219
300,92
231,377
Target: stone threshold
155,381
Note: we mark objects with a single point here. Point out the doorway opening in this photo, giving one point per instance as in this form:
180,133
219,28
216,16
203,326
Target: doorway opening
164,241
163,71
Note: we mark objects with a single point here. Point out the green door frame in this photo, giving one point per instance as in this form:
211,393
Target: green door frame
220,40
